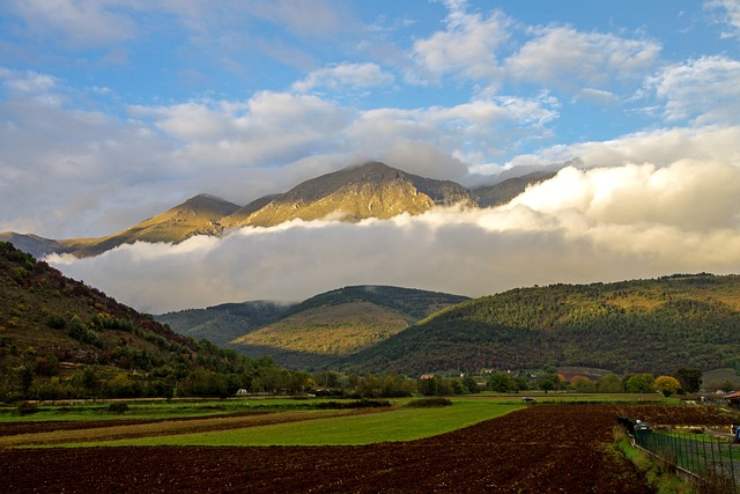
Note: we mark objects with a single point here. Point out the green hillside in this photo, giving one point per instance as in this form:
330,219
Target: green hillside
651,325
54,329
222,323
322,329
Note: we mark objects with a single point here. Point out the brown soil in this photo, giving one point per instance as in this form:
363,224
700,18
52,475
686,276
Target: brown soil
678,415
540,449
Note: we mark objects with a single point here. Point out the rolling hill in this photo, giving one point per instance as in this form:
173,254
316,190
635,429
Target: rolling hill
222,323
317,331
371,190
650,325
56,327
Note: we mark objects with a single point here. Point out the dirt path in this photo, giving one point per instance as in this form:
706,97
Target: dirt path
98,433
540,449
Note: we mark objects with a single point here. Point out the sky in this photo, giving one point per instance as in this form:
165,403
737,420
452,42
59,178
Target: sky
114,110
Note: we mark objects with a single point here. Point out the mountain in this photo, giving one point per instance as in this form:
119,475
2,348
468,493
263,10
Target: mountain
502,192
222,323
316,331
33,244
650,325
372,190
56,326
199,215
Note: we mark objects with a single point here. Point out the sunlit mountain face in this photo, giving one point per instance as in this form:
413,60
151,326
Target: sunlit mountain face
276,150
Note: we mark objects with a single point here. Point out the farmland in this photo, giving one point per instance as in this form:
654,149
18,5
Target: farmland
486,442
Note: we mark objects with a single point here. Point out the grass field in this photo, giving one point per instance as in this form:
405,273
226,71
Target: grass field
402,424
568,397
155,410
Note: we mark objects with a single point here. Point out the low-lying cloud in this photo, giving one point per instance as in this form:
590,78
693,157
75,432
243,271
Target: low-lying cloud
583,225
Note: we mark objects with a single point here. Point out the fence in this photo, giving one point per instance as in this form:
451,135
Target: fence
712,460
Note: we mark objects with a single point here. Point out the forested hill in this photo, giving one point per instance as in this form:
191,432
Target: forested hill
53,328
652,325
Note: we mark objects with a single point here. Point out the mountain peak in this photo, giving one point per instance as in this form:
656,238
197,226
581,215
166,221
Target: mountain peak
208,204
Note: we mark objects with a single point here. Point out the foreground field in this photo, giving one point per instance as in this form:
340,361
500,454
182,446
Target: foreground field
537,449
401,424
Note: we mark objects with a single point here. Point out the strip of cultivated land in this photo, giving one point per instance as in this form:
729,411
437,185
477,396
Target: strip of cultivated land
399,424
173,427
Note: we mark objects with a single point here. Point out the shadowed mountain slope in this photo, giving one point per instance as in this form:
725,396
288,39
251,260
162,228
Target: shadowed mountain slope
650,325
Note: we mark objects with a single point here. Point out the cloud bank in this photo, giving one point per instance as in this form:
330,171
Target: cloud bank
633,220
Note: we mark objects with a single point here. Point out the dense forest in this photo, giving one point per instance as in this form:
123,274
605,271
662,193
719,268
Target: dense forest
645,325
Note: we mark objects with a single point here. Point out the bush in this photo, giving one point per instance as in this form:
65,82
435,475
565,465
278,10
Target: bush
27,408
355,404
118,407
429,402
56,322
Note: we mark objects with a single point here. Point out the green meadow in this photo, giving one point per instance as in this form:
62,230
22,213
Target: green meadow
400,424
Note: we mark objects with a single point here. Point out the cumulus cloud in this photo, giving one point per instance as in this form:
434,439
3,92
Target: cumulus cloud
466,46
704,90
566,57
582,225
345,76
70,172
660,147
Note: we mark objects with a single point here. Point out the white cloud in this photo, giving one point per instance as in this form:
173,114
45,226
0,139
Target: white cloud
729,14
345,76
466,46
705,90
596,96
566,57
81,21
69,172
660,147
600,224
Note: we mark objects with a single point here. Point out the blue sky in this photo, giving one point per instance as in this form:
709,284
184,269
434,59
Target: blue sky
147,102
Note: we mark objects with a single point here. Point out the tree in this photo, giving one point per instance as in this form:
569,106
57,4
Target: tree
548,382
501,382
582,384
640,383
470,384
690,379
610,383
667,385
25,375
90,381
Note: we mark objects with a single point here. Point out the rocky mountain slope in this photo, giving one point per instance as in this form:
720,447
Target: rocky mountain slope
371,190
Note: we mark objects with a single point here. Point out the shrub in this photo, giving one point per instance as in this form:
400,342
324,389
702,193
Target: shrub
429,402
56,322
118,407
364,403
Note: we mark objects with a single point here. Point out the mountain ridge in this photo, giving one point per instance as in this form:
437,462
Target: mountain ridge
369,190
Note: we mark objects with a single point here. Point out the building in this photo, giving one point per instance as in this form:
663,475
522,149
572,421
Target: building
733,399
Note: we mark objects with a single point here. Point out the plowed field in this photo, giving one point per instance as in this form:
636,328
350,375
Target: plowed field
539,449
